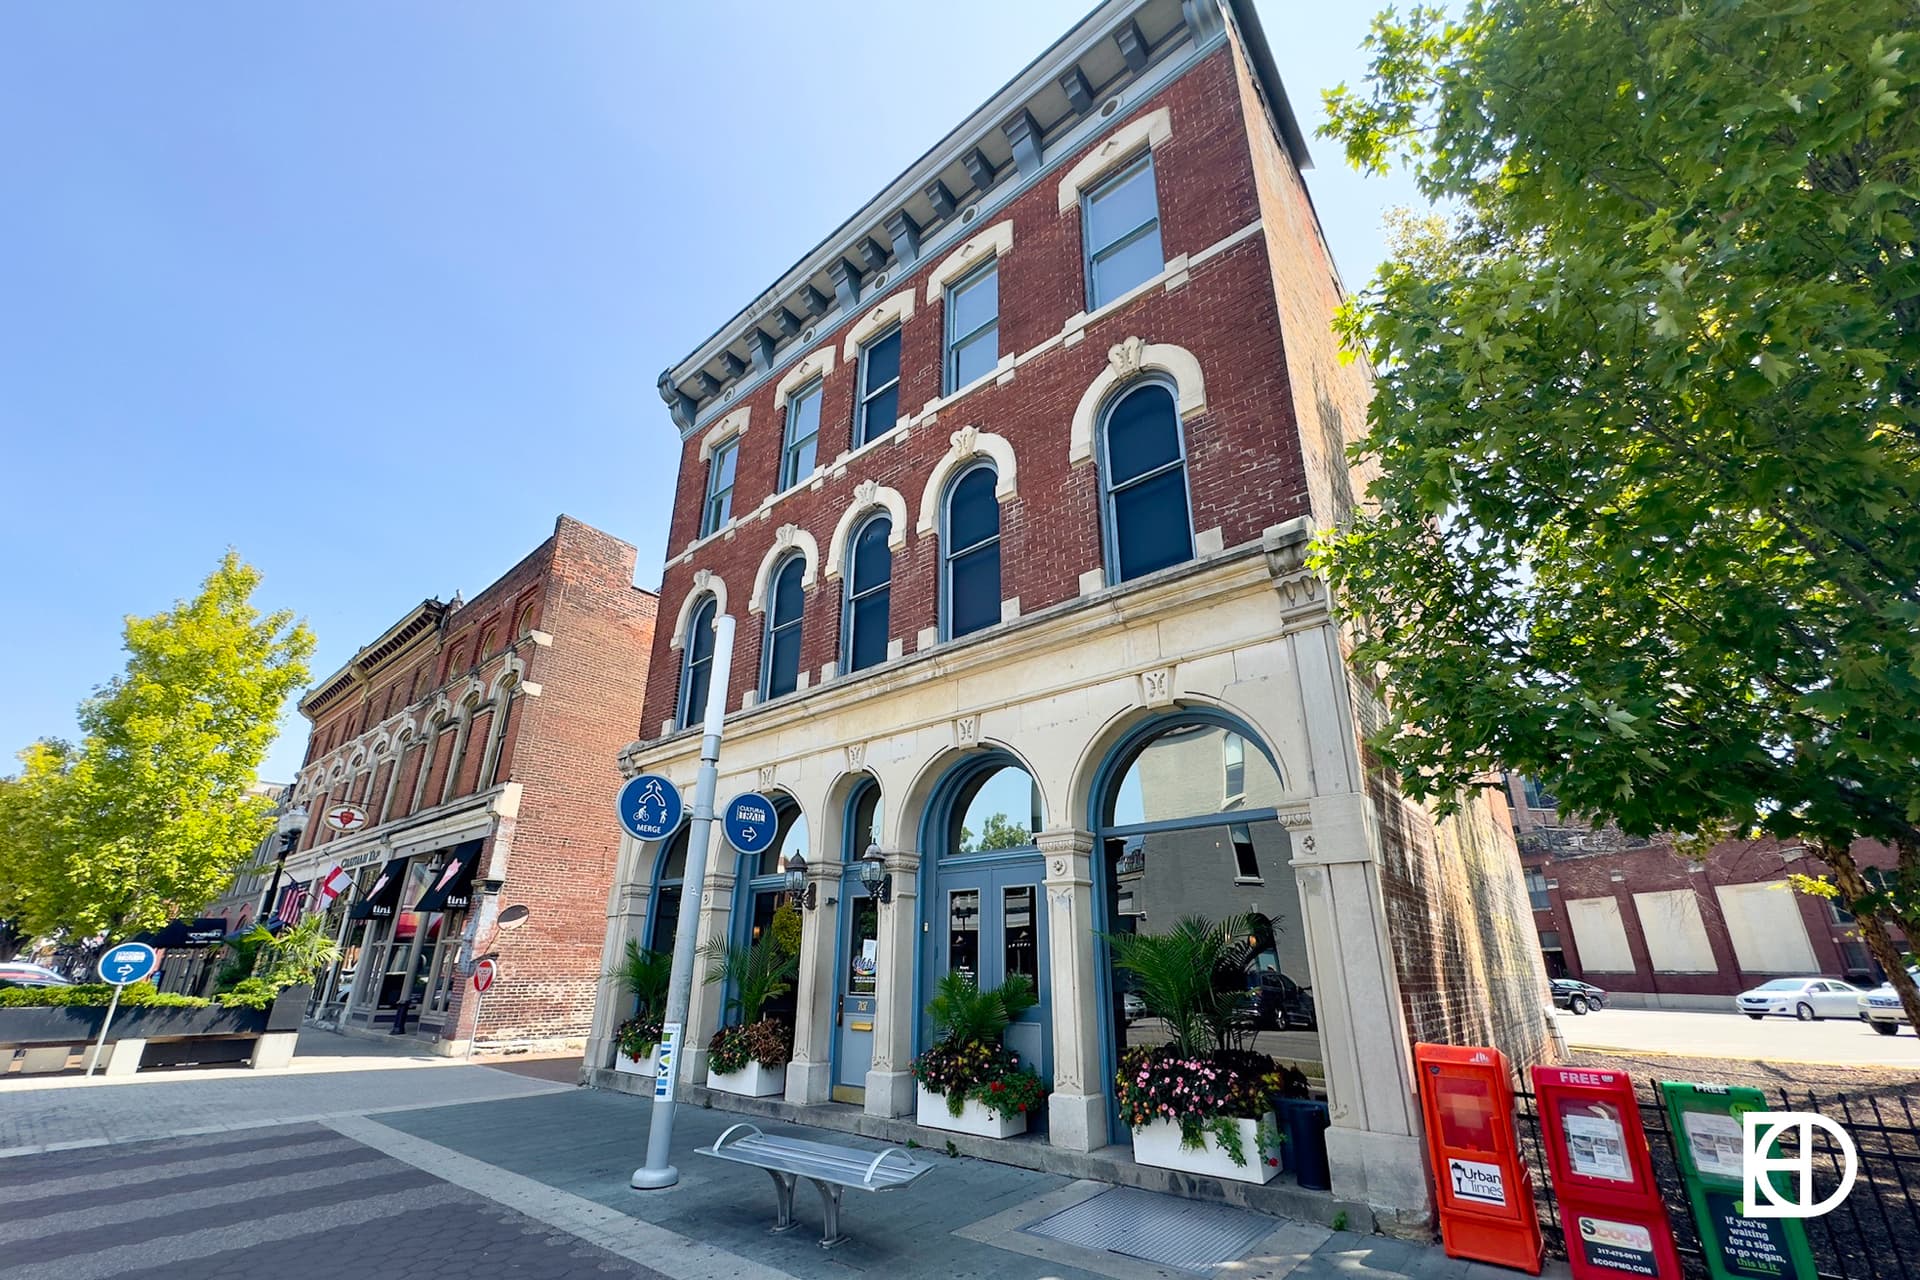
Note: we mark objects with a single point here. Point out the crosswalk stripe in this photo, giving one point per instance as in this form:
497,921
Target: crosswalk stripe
114,1176
203,1197
191,1246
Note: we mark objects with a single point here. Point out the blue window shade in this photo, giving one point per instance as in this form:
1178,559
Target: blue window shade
973,326
879,388
802,435
698,677
783,630
869,583
719,505
973,553
1146,483
1122,229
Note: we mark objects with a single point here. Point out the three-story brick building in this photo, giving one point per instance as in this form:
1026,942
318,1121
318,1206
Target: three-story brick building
450,772
1009,484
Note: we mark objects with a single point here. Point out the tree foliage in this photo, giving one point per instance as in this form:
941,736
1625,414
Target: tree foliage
148,815
1646,522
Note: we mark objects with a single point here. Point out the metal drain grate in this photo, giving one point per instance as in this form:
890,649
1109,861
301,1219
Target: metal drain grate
1156,1228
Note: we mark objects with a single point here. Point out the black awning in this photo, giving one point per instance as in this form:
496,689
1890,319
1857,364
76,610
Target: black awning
452,890
385,894
207,931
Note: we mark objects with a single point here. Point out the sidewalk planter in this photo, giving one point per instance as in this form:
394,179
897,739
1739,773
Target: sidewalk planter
751,1081
1157,1143
974,1117
644,1065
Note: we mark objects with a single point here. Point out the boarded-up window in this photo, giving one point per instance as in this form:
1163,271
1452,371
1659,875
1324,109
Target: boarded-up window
1676,935
1764,922
1600,935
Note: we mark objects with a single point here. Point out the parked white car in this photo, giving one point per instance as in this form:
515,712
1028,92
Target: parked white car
1880,1007
1802,998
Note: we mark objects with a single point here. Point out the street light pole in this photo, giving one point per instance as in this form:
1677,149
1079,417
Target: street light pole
657,1173
291,824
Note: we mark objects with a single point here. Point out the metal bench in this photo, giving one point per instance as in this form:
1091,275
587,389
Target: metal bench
831,1169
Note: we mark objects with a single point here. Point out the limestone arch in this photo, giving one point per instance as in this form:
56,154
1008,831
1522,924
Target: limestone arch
904,826
786,539
967,444
1092,763
705,583
1128,361
866,497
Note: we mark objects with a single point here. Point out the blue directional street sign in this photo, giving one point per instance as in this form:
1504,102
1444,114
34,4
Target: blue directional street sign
650,807
128,962
750,822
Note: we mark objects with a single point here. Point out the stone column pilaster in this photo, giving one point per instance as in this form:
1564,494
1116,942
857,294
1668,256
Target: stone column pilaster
810,1074
890,1082
627,906
1077,1108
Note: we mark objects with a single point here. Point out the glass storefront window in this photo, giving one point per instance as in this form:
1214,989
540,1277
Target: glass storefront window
963,931
1020,930
998,809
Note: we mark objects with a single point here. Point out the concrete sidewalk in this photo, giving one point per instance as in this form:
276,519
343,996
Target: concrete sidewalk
565,1159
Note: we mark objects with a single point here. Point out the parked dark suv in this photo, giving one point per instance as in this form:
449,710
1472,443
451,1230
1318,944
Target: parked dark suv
1577,997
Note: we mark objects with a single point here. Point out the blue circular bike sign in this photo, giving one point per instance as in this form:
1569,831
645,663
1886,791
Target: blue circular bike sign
128,962
750,822
650,807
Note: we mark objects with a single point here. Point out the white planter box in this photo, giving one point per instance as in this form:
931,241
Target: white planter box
628,1066
752,1080
1158,1144
974,1117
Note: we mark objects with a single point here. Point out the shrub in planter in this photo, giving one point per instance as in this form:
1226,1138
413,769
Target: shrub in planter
633,1044
754,1046
971,1064
1217,1095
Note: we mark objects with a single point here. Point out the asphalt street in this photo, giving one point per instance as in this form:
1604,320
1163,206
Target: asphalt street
1833,1042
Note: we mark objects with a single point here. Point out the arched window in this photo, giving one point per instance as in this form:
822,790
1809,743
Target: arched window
456,663
526,621
995,809
781,673
663,920
1188,826
970,574
1143,479
698,673
869,579
864,818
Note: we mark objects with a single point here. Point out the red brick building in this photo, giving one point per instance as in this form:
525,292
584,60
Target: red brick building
1008,485
460,764
1658,929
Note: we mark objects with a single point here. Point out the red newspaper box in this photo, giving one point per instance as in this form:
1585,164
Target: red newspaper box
1616,1224
1484,1189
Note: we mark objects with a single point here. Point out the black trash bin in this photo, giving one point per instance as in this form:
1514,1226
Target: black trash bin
1305,1122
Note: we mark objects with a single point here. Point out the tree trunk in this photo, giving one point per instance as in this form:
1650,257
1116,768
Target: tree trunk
1873,930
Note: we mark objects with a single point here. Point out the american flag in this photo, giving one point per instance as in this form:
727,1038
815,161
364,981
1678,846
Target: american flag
292,899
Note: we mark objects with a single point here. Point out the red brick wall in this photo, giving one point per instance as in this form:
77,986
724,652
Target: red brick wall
1657,868
1244,464
564,745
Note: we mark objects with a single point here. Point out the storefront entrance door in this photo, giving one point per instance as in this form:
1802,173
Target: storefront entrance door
988,921
854,1002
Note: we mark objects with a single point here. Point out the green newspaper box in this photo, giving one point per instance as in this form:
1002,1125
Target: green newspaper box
1710,1144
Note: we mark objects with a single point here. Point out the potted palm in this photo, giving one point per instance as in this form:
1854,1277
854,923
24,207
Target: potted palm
1199,1103
644,975
293,959
750,1056
969,1081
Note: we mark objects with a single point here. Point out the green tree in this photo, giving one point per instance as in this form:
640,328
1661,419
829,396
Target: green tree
996,833
1646,434
148,814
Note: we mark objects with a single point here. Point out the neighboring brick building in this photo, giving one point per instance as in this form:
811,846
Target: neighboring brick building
472,744
1009,485
1658,929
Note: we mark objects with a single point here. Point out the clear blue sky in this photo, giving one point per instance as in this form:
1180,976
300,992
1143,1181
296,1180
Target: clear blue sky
319,280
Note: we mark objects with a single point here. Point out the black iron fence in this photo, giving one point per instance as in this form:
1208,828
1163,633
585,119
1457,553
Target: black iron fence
1874,1234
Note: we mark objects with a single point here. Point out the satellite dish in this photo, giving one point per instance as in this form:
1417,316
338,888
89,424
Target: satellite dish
513,917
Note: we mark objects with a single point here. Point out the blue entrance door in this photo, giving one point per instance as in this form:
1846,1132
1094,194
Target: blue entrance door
988,919
855,998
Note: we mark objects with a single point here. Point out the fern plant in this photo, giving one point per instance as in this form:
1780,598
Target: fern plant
962,1012
298,953
645,975
1193,977
757,974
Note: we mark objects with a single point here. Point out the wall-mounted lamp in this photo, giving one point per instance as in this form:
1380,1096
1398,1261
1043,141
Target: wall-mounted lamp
804,894
873,874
